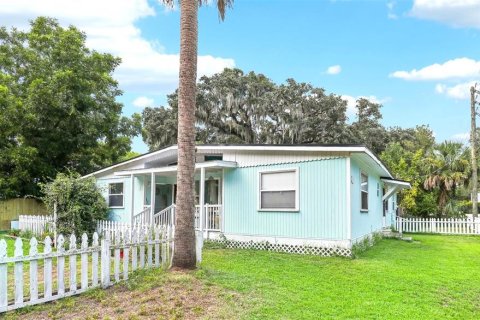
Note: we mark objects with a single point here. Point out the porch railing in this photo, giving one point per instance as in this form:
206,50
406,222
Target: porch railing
143,217
166,217
213,214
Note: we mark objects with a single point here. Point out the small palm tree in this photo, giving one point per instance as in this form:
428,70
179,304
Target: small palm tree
184,253
448,168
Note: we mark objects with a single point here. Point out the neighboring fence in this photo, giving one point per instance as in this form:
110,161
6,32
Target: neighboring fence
37,225
434,225
35,280
11,209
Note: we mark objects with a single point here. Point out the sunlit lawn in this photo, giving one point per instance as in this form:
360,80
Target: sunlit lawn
434,277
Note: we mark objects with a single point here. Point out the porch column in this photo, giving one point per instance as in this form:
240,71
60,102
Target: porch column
152,198
202,199
132,205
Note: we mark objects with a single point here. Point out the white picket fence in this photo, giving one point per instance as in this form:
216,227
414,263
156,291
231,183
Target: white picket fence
51,275
37,225
466,226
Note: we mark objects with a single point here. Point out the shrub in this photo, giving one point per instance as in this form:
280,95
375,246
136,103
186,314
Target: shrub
79,203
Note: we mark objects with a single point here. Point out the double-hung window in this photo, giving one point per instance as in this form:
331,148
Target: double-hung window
115,195
364,192
278,190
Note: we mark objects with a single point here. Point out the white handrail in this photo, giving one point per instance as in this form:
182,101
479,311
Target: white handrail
165,217
143,217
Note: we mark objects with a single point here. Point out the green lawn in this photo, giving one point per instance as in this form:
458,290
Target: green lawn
433,277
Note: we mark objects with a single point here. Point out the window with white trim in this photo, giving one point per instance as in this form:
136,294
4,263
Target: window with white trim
364,192
279,190
115,195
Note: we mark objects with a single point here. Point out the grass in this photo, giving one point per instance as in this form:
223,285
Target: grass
433,277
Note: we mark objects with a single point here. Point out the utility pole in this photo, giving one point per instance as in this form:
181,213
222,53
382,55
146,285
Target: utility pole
473,150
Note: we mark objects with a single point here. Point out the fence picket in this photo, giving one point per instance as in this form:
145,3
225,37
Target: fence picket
47,269
116,255
126,243
33,270
18,272
149,248
134,248
84,263
60,266
142,248
73,263
157,247
95,260
3,276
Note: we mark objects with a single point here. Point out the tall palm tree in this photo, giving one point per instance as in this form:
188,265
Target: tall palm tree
447,168
184,253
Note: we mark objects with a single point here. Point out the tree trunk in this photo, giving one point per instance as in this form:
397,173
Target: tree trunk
184,253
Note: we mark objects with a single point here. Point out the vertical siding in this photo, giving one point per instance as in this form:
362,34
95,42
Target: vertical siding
391,214
322,201
364,223
117,214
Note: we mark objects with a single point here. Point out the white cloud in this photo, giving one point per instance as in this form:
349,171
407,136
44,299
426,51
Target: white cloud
459,91
336,69
143,102
461,137
456,13
391,6
451,69
110,27
352,103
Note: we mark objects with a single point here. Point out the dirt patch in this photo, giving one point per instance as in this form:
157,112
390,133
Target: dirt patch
148,295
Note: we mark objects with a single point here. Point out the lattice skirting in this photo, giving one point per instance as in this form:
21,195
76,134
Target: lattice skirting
288,248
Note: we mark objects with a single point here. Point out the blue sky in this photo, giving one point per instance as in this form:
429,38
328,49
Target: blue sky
417,58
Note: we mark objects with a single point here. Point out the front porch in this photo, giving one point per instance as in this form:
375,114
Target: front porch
153,195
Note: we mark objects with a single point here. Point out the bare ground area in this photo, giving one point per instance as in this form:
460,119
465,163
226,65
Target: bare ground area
151,294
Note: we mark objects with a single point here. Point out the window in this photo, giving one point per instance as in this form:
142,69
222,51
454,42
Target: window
364,192
213,157
278,190
115,195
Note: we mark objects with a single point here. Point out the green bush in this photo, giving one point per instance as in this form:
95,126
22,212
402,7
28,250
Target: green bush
79,203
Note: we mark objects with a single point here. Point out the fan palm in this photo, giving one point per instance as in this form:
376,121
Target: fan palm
448,168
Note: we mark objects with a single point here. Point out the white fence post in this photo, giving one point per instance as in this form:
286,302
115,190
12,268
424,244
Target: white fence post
199,245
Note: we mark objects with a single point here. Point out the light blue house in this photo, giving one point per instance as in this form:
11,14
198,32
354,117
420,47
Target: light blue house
328,196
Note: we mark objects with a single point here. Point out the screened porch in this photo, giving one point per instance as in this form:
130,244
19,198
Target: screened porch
155,191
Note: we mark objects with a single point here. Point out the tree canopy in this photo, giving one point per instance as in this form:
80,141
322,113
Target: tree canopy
58,107
238,107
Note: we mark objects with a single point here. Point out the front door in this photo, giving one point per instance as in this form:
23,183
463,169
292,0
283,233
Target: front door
163,196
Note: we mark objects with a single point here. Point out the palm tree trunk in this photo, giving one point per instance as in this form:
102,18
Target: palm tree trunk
184,253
